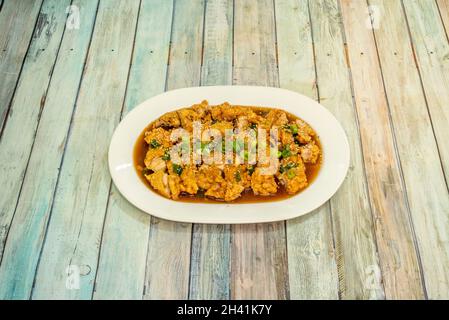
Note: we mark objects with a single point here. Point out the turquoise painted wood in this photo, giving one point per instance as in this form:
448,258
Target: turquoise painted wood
121,270
399,258
258,252
430,210
67,233
311,258
27,231
355,244
170,242
210,267
74,233
17,22
16,141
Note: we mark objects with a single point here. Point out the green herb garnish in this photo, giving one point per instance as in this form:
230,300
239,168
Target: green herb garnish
287,167
166,155
154,144
286,152
237,176
177,169
291,174
251,169
292,128
147,171
253,126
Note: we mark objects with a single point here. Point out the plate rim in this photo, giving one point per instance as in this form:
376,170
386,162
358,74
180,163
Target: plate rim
188,218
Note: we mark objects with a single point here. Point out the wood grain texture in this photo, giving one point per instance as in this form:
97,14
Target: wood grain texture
354,237
311,260
428,194
74,232
431,48
17,22
210,257
121,270
258,256
27,230
397,251
170,242
443,7
28,102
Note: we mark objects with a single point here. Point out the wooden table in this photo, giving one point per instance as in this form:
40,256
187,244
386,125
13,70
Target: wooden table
69,70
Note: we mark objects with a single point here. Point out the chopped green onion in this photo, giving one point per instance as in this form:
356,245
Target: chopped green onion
166,155
291,174
177,169
237,176
285,153
251,169
294,129
253,126
287,167
154,144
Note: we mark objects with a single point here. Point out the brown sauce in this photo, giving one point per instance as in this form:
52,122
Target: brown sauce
141,148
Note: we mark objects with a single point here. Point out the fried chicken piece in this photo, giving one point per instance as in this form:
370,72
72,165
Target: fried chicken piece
281,119
168,120
233,191
310,153
157,164
263,184
292,174
158,138
208,176
286,137
305,132
159,181
188,180
151,155
187,117
222,126
174,185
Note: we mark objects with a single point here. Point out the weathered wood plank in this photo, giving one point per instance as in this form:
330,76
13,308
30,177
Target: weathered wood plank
74,232
443,7
169,243
416,141
432,56
16,141
258,251
17,22
209,271
397,251
121,270
311,260
355,245
27,230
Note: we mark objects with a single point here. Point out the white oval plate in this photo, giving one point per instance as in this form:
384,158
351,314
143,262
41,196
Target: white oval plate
332,136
